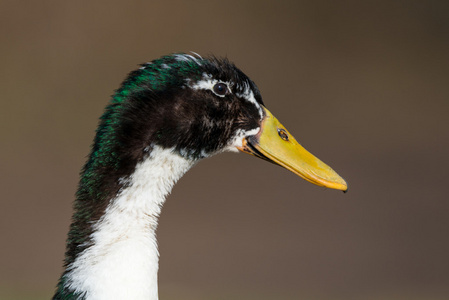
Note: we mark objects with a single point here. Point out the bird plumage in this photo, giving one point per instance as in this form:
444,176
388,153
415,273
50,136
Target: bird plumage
165,117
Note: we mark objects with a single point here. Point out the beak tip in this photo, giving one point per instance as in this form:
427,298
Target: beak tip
342,187
345,187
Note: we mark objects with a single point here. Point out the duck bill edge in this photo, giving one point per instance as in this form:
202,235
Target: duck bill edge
275,144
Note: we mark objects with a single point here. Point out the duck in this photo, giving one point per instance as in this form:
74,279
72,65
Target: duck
166,116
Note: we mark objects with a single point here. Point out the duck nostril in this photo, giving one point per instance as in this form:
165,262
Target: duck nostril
283,134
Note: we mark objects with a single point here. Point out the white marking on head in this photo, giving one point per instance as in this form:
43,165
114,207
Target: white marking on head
237,140
194,53
207,83
187,58
248,95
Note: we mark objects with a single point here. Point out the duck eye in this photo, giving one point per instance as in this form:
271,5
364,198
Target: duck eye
220,89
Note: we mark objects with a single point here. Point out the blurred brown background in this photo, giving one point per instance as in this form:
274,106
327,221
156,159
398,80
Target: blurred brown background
364,85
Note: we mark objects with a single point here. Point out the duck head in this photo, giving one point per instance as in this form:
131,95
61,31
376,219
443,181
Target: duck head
166,115
203,106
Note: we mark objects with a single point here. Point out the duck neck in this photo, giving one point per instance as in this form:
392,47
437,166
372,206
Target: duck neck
121,258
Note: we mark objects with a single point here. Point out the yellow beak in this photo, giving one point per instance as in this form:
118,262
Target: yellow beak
275,144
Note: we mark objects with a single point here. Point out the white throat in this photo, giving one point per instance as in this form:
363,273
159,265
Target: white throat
122,262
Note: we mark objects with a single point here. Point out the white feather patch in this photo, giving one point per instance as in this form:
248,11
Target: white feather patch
248,95
237,140
207,83
187,57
